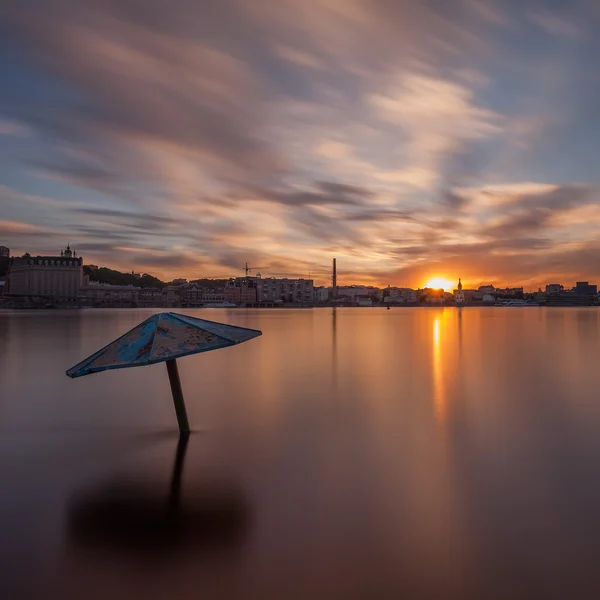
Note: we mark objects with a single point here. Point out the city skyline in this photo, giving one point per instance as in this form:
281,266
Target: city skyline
410,140
436,282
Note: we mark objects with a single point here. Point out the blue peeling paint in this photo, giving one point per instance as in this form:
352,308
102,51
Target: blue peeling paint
162,337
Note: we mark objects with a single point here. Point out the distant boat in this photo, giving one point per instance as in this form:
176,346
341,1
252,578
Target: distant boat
517,303
220,305
388,308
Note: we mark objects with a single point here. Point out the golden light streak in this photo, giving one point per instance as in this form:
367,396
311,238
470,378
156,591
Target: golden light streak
439,392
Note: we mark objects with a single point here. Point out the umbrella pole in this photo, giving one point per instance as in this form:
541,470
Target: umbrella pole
182,419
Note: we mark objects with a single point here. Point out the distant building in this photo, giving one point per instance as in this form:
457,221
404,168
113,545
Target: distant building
150,297
565,298
48,276
104,294
486,289
272,289
213,296
459,295
352,292
179,281
171,296
241,290
192,295
396,295
584,288
4,252
320,294
554,288
515,292
364,301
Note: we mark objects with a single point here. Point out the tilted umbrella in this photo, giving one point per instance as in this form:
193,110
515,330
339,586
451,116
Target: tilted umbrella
164,337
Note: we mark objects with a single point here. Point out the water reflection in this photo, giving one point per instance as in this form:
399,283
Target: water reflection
334,345
439,392
353,453
151,519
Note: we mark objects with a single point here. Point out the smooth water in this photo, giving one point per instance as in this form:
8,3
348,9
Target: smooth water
346,453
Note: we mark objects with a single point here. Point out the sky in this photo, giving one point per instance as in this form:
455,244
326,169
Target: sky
410,140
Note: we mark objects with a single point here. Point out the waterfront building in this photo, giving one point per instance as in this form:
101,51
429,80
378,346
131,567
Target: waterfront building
150,297
352,292
486,289
97,294
396,295
583,288
320,294
241,290
554,288
459,295
565,298
515,292
213,296
171,296
47,276
191,295
4,252
273,289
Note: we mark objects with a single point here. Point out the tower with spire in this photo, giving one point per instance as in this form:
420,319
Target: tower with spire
459,296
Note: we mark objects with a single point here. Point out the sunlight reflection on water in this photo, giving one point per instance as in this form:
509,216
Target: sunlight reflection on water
346,453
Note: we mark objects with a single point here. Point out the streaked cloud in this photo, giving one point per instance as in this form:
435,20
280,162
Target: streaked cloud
408,139
15,228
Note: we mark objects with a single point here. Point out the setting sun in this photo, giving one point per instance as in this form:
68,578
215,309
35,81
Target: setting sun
437,283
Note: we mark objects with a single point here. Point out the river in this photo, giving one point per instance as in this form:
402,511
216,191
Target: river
346,453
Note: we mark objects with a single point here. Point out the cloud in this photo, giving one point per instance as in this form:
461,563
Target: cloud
400,137
323,193
15,228
555,24
533,212
14,128
146,221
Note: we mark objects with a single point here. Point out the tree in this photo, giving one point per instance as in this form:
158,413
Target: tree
112,277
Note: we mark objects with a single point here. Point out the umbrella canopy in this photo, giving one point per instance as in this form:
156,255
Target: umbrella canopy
163,337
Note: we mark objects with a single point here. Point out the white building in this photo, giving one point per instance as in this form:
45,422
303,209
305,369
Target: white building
396,295
320,294
352,292
459,295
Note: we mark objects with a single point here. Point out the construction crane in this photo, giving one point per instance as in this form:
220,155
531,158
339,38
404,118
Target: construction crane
247,269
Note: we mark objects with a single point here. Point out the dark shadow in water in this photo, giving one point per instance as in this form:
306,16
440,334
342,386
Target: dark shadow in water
153,521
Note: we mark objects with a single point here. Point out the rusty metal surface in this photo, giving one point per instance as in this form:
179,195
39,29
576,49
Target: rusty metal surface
162,337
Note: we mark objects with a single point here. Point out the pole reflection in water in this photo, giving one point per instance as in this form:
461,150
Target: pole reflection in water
333,345
144,520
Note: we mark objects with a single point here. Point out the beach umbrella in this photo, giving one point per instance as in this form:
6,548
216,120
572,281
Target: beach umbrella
164,337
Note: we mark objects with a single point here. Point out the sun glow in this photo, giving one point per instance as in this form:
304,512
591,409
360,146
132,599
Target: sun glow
440,283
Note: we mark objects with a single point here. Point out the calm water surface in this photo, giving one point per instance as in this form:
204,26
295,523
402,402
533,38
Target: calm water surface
347,453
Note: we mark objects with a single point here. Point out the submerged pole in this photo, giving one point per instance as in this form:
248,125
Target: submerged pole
175,492
182,419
